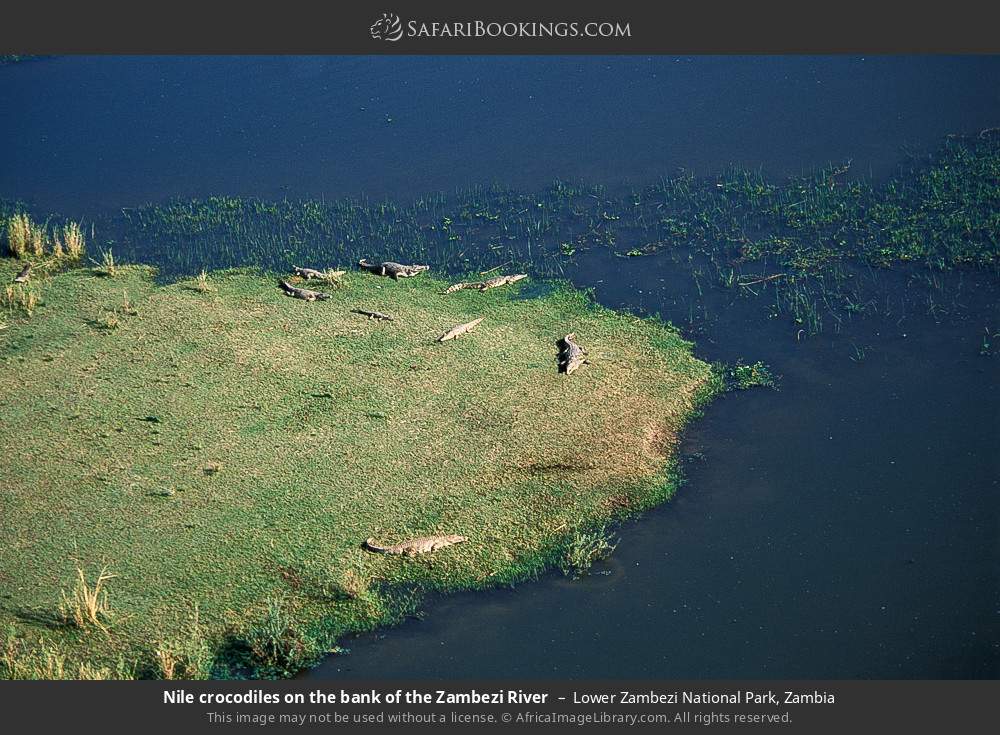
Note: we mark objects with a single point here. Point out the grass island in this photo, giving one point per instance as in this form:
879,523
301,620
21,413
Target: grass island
191,469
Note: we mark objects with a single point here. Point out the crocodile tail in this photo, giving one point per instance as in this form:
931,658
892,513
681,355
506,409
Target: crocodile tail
372,546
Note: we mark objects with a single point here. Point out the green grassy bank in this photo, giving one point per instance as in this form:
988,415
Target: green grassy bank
223,451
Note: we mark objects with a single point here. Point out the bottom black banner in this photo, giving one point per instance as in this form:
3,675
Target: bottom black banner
377,706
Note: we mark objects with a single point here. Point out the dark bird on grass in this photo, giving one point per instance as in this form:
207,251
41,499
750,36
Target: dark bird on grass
24,275
571,355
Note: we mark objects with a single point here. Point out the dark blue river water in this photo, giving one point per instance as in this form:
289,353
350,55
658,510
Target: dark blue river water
88,132
844,526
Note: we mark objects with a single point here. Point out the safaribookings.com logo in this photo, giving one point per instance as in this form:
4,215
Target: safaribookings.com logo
390,28
387,28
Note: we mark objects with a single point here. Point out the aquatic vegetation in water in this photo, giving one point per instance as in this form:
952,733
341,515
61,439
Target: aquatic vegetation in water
788,241
742,376
754,375
584,548
986,348
941,211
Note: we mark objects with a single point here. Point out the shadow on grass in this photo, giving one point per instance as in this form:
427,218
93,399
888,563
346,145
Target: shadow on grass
39,617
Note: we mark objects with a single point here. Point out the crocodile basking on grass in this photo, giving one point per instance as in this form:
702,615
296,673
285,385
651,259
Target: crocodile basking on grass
395,271
302,293
311,274
489,283
460,330
377,315
414,546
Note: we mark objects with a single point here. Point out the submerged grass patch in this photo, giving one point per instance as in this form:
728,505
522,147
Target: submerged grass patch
228,450
941,210
798,242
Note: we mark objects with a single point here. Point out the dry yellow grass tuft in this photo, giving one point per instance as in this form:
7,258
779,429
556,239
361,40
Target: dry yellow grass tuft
19,230
22,298
72,237
87,604
27,238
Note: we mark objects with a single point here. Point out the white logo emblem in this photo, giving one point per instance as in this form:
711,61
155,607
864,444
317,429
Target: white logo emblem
387,28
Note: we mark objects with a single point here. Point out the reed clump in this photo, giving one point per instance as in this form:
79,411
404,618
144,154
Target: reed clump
18,234
68,241
26,238
584,548
354,585
106,266
37,239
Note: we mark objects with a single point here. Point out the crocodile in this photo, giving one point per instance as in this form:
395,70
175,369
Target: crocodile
414,546
489,283
302,293
24,275
395,271
497,281
571,355
373,315
311,274
460,330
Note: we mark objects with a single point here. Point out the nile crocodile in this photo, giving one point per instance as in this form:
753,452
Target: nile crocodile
311,274
395,271
302,293
571,355
489,283
460,330
373,315
414,546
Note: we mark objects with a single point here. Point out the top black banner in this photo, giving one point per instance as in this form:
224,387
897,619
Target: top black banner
450,27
